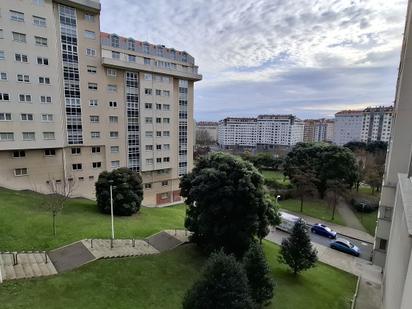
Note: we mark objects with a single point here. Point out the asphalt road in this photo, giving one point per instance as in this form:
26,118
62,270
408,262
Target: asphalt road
364,247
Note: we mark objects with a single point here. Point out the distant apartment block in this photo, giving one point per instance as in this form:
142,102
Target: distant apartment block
285,130
211,127
368,125
319,130
75,102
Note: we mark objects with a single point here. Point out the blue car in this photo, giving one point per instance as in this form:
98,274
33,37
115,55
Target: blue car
323,230
344,245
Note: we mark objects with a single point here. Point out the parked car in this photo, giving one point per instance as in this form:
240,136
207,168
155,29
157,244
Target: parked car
323,230
287,222
346,246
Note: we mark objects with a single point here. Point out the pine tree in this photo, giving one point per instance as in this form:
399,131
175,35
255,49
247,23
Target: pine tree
296,251
260,280
224,285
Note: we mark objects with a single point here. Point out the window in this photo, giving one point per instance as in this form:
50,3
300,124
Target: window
39,21
19,37
149,161
158,147
114,149
91,52
147,185
147,76
115,164
92,86
112,104
149,147
49,152
164,196
42,61
97,164
387,213
38,2
166,93
2,56
76,151
6,136
147,61
89,34
28,136
148,91
148,105
93,102
159,133
49,136
47,117
113,119
44,80
21,58
40,41
76,166
166,133
131,44
149,133
146,48
91,69
131,58
24,97
5,116
89,17
166,159
114,134
166,147
95,134
115,55
45,99
19,154
158,92
112,88
111,72
166,107
158,106
94,119
148,120
382,244
96,149
21,171
158,160
1,34
164,183
166,120
26,117
23,78
158,120
17,16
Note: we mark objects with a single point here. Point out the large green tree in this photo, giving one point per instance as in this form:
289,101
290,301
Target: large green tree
227,204
260,279
127,191
296,251
223,285
328,162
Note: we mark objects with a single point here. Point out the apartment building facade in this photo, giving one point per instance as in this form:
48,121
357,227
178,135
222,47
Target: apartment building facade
393,240
285,130
75,102
318,130
368,125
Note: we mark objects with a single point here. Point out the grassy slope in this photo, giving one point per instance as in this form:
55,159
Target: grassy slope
368,220
276,175
161,281
26,225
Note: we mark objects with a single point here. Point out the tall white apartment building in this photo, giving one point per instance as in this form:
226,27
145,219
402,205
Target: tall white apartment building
75,102
286,130
348,127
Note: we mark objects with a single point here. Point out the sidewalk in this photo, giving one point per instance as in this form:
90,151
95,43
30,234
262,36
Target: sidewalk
349,217
343,230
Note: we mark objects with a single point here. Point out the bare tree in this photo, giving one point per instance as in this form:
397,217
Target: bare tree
203,138
304,183
59,192
334,191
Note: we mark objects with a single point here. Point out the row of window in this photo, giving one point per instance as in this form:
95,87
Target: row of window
25,78
25,98
158,120
158,147
22,153
158,160
27,136
27,117
158,92
25,58
22,38
158,133
95,149
96,119
159,106
79,166
149,185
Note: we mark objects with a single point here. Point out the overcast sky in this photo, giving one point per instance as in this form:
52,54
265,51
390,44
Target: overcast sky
310,58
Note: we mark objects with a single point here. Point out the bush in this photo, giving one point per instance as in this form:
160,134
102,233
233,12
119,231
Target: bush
223,285
127,192
364,205
274,184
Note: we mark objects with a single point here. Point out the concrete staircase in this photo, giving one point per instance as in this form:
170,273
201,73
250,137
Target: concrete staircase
29,265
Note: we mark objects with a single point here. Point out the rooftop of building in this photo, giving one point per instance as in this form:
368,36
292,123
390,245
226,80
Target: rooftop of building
365,110
158,50
207,123
350,112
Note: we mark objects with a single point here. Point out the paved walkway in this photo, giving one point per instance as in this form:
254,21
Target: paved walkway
369,295
349,217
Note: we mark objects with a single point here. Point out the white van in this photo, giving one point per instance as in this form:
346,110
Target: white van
287,222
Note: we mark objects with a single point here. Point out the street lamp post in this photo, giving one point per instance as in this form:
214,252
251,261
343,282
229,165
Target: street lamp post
111,212
277,200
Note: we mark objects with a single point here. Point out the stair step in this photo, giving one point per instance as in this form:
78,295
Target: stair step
19,271
9,273
28,271
36,270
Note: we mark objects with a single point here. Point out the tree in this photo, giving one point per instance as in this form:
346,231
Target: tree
327,161
304,181
260,280
127,191
227,204
296,251
203,138
223,285
334,191
59,192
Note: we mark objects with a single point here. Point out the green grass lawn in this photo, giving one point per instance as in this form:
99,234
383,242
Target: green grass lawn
161,281
275,175
26,225
313,208
368,220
